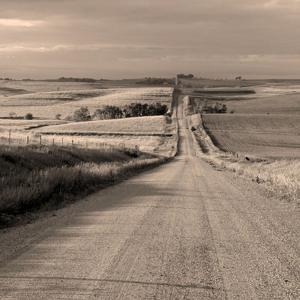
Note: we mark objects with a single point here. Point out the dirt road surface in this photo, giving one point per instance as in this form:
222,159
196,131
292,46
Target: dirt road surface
181,231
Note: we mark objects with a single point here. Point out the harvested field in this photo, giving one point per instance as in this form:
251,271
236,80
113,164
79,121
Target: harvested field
47,86
50,98
276,136
20,124
147,133
281,104
148,125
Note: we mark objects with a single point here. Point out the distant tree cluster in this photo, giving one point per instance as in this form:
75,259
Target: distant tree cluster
13,115
116,112
108,112
210,108
217,108
131,110
72,79
28,116
156,81
81,114
186,76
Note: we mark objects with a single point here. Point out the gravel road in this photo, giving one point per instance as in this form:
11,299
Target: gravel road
181,231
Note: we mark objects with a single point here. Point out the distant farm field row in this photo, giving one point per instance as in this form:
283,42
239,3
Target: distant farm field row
152,124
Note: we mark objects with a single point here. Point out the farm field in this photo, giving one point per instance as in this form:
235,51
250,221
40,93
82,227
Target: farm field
143,125
229,83
274,104
11,87
20,125
47,99
266,124
44,86
261,139
276,136
46,105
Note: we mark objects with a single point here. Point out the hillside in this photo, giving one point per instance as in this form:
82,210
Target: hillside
256,134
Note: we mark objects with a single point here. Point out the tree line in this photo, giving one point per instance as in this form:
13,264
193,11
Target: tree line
116,112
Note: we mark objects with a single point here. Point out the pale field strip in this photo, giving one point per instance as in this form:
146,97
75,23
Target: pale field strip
47,98
20,125
47,86
138,125
151,144
149,134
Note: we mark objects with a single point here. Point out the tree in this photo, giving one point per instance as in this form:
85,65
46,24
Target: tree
82,114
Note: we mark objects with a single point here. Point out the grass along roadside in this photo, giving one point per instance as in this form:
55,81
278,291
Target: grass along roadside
31,178
280,176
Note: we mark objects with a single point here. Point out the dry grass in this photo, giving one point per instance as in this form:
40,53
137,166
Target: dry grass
31,177
153,124
282,177
144,132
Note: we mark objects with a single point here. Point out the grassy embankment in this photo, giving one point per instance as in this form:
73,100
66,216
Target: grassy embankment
31,177
259,147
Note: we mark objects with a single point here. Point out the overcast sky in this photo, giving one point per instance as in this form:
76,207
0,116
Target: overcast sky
134,38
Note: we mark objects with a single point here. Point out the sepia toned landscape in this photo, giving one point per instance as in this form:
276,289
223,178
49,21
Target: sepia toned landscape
149,150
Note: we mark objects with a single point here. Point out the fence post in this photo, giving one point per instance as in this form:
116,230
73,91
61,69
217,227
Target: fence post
72,143
52,142
40,140
9,136
27,140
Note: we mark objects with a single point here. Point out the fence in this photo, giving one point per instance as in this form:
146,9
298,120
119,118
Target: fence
12,138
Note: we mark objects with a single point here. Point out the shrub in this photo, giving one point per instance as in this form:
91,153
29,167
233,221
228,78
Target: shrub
28,116
82,114
216,108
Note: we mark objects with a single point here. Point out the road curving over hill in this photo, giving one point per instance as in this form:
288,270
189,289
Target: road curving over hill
181,231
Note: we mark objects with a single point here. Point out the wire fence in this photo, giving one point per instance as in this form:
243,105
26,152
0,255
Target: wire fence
11,138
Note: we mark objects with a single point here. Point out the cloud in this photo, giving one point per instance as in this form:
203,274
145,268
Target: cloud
19,23
167,35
